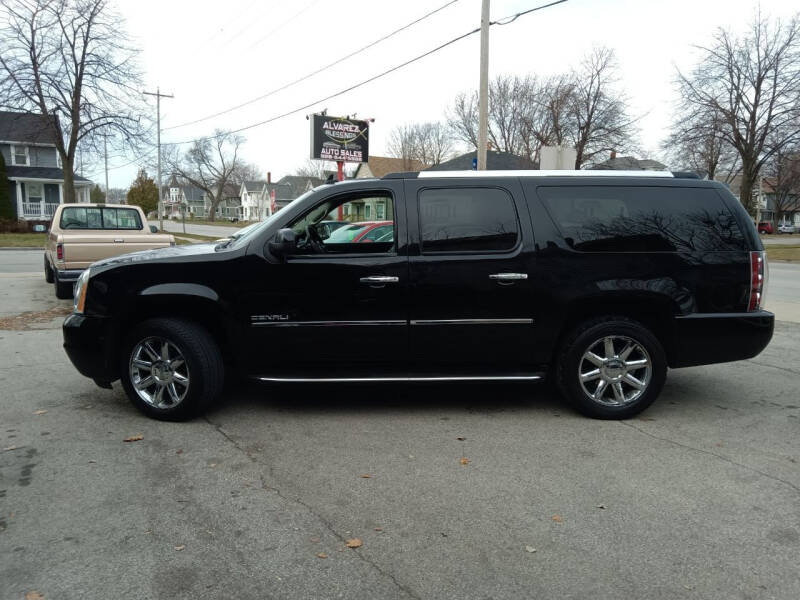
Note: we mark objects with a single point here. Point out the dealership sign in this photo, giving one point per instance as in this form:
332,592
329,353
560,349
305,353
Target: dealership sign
339,139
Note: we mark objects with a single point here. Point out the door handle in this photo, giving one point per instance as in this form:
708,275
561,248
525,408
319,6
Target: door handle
508,276
379,279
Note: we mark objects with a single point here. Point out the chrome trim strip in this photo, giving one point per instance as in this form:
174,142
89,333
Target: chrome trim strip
326,323
382,379
472,322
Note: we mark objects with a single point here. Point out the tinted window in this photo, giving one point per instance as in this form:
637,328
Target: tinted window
78,217
642,219
467,220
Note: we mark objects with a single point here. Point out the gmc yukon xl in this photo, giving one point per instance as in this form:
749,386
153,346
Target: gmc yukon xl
600,281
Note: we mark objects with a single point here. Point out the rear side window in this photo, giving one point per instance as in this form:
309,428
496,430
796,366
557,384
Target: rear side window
95,217
642,219
467,220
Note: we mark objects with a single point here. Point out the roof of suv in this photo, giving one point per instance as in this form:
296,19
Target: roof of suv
525,173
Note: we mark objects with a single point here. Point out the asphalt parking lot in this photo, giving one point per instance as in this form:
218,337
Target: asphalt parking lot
454,491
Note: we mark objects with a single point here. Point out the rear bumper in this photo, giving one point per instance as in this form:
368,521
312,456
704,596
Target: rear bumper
90,343
65,275
703,339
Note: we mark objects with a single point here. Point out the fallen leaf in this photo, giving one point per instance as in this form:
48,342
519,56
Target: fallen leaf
366,476
179,451
461,439
181,547
379,529
315,540
322,555
464,461
34,595
39,412
557,518
530,549
603,506
134,438
353,543
10,448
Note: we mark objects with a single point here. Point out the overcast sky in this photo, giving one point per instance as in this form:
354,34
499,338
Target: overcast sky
215,55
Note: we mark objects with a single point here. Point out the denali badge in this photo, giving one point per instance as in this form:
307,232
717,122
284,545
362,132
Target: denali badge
268,318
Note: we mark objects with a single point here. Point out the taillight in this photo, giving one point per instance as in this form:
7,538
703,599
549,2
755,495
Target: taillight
758,277
60,251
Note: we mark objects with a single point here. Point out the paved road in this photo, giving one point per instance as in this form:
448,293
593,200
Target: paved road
215,230
697,498
781,240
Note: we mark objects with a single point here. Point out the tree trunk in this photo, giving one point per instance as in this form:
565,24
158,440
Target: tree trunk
69,180
749,177
213,208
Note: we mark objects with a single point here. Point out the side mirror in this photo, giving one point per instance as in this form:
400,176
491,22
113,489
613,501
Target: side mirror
284,243
153,229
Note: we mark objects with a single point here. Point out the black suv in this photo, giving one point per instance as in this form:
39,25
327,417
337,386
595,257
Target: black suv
597,280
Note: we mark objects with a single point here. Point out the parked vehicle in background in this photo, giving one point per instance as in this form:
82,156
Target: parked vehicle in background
80,234
364,231
599,280
786,228
766,227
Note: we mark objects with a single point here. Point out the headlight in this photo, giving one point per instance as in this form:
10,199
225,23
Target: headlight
81,287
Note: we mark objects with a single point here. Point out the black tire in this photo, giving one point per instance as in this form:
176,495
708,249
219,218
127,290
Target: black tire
63,288
573,359
203,362
48,272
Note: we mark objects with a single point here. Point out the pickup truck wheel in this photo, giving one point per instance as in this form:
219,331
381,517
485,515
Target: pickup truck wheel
171,369
63,288
48,272
611,368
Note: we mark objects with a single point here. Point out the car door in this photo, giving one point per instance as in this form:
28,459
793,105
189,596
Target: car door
340,313
470,295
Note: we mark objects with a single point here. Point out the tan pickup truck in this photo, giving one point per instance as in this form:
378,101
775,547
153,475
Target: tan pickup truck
83,233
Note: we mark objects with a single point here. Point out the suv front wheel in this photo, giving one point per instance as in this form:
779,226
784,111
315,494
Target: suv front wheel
611,368
171,369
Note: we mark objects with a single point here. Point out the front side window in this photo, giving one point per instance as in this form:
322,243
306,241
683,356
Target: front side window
642,219
75,217
467,220
338,226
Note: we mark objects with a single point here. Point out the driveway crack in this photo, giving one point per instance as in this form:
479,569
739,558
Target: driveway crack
328,525
714,454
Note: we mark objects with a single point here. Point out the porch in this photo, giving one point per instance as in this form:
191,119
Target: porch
37,199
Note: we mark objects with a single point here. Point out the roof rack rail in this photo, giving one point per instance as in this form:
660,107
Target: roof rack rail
527,173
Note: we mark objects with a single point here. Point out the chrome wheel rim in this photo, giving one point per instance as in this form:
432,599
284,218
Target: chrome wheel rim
159,372
615,370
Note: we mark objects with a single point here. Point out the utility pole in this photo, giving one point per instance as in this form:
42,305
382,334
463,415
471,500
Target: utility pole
483,90
158,96
105,152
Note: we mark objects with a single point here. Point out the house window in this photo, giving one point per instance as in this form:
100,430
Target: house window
173,194
34,192
20,155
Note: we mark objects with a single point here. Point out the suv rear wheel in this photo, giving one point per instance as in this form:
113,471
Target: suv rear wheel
611,368
171,369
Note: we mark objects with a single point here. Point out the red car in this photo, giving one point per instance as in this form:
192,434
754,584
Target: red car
364,231
765,227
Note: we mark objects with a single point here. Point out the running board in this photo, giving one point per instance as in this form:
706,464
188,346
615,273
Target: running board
395,379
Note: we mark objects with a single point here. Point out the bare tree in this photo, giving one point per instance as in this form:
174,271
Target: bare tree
598,114
311,168
753,81
783,176
246,172
70,60
210,164
698,143
429,143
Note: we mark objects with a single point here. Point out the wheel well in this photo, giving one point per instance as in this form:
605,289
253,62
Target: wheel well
655,314
198,310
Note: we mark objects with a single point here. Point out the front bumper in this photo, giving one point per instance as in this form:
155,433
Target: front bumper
92,345
704,339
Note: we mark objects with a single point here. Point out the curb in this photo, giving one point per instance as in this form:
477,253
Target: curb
20,248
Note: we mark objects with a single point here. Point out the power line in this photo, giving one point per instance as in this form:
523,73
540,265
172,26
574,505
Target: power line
320,70
281,26
508,20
